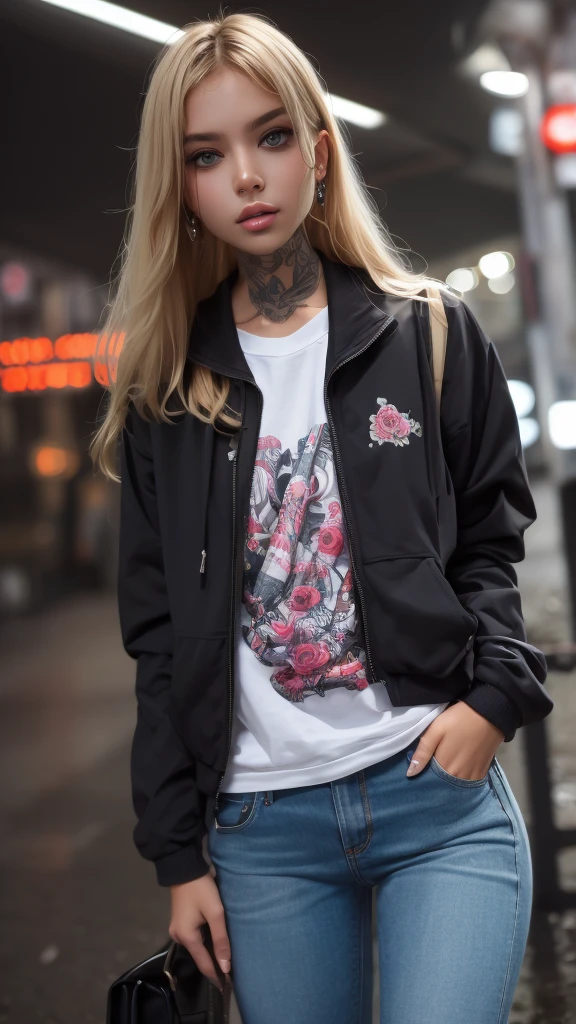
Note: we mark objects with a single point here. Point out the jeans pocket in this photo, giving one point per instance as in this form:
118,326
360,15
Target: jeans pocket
445,776
234,812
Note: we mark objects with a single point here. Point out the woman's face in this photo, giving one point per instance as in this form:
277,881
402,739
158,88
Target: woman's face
249,153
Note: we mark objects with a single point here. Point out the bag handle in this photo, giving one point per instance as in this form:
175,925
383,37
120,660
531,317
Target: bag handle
439,335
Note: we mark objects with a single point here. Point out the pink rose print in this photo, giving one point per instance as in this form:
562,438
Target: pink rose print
296,488
288,680
269,441
330,541
390,425
285,630
303,598
307,657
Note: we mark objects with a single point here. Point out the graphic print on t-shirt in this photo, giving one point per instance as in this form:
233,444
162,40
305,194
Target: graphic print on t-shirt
297,580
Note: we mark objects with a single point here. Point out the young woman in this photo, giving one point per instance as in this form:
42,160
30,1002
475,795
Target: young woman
315,571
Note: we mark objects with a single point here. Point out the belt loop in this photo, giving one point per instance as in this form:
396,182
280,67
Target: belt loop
268,797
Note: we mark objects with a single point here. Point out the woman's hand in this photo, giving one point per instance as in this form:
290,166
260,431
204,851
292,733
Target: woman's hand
193,904
462,741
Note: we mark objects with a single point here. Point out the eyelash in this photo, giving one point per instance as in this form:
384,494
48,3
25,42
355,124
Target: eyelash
210,152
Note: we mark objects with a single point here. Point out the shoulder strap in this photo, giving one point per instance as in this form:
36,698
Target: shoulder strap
439,334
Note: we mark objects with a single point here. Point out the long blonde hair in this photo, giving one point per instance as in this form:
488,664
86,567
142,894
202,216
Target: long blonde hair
163,275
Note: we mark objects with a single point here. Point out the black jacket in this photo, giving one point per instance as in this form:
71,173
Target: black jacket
433,526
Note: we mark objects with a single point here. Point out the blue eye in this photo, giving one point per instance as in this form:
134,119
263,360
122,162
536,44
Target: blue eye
279,131
197,157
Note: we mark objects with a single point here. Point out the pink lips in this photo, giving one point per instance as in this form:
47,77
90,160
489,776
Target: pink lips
258,221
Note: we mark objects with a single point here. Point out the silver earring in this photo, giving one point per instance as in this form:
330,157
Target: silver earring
320,191
191,225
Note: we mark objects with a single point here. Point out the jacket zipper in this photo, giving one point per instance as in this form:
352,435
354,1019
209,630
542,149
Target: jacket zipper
348,518
232,635
344,492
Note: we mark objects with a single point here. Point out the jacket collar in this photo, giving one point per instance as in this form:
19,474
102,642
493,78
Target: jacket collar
354,316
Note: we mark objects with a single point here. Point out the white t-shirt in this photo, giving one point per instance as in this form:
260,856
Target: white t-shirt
304,712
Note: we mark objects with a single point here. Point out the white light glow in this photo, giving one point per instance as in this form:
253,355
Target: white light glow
487,57
506,131
121,17
529,431
504,83
501,285
464,279
523,397
495,264
356,113
562,424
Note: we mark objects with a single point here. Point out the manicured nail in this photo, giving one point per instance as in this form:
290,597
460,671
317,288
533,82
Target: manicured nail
225,965
412,767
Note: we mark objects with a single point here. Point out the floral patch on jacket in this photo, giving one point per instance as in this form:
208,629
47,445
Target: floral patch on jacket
390,425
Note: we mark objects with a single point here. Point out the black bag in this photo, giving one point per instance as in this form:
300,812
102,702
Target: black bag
168,988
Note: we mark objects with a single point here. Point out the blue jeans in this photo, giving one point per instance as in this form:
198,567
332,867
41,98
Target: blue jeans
449,859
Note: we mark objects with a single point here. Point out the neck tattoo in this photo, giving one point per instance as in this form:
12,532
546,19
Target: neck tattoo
274,295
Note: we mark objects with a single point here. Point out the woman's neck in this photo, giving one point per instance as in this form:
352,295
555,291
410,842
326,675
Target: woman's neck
274,285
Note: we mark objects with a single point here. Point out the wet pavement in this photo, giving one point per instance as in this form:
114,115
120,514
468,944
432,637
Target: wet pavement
81,906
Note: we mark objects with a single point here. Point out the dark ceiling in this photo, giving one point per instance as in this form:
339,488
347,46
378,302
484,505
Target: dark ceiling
73,93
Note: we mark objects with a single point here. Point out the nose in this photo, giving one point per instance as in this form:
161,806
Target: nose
248,180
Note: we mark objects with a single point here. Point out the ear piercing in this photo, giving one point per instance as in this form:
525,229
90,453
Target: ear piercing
191,223
320,187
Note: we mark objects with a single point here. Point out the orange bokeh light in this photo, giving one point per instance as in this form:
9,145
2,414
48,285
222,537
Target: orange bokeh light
51,461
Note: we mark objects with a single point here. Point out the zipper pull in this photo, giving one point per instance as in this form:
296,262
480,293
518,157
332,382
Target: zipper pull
233,446
202,563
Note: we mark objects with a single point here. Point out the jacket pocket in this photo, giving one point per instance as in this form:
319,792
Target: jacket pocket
415,620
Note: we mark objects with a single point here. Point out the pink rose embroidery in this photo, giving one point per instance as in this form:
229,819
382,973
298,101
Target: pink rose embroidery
390,425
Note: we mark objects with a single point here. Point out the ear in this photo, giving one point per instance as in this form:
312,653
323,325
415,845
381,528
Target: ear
322,151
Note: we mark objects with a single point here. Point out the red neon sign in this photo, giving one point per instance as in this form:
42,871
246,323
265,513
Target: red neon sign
73,360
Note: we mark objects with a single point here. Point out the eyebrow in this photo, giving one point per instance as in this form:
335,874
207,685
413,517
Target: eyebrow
257,123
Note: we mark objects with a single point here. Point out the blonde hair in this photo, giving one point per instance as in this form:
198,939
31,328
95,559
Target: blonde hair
163,275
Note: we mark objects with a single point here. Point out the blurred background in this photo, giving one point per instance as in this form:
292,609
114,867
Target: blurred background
462,115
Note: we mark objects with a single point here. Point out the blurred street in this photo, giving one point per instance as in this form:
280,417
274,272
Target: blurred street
83,905
460,120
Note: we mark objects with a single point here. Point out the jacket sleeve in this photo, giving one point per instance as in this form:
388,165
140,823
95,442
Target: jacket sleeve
168,805
484,456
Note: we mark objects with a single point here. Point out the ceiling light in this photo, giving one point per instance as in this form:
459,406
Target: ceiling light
356,113
121,17
504,83
161,32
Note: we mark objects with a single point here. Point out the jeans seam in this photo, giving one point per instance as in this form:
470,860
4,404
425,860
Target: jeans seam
516,912
367,813
363,906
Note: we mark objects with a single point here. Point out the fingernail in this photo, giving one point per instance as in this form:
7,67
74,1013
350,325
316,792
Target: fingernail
412,768
225,965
